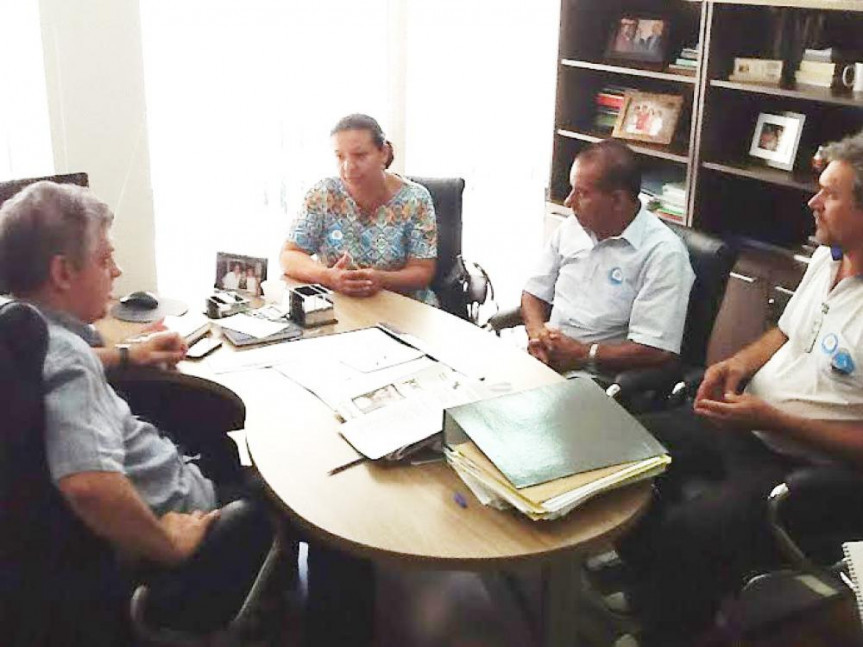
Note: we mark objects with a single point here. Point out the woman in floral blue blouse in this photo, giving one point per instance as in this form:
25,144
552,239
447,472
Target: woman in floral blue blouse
370,229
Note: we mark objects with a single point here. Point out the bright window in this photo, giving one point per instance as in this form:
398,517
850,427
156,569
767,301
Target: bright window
25,132
241,96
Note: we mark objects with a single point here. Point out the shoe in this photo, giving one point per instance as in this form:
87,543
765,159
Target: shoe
627,640
600,561
618,603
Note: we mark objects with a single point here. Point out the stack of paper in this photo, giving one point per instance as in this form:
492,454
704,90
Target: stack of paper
190,326
550,500
547,450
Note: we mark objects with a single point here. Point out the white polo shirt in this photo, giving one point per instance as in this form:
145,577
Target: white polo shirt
818,373
634,286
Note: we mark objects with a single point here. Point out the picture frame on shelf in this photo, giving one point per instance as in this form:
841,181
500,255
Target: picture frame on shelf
776,138
765,71
648,117
638,39
242,273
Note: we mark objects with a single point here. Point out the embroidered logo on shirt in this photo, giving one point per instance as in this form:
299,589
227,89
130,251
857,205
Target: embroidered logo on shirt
615,276
842,362
829,343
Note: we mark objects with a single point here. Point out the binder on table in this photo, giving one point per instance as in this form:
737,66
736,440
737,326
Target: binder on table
551,432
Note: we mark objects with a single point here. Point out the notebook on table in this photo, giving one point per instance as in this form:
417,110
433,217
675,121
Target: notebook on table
239,339
854,558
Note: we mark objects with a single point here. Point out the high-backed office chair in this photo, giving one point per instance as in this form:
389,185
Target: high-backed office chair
11,187
59,583
461,287
810,515
640,389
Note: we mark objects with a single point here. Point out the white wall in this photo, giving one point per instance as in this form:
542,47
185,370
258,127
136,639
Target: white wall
95,81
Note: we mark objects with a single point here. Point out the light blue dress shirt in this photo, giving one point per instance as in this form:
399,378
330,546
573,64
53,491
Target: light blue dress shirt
634,286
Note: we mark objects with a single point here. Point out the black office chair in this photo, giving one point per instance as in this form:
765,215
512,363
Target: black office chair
810,515
11,187
645,389
460,286
59,583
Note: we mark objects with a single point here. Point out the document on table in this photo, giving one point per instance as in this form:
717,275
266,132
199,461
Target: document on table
400,413
254,326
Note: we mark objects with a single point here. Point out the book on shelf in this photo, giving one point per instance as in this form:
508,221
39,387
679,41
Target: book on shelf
681,69
677,218
814,80
609,100
686,62
822,55
817,68
674,193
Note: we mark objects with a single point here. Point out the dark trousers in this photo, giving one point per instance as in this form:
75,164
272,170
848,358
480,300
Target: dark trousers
209,589
708,528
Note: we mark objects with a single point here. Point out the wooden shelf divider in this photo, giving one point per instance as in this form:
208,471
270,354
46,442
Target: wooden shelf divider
765,174
630,71
651,150
821,95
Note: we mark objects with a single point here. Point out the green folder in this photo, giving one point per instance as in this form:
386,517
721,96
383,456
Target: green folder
550,432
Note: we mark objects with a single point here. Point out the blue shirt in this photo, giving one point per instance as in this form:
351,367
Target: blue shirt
634,286
89,428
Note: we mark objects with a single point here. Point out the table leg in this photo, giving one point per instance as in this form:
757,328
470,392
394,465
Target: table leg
560,592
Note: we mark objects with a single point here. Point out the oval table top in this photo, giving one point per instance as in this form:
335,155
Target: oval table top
402,512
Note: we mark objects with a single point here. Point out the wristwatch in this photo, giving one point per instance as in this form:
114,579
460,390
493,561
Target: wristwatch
591,358
123,349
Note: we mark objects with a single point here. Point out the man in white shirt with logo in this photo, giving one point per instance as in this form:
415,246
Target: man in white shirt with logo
611,289
803,405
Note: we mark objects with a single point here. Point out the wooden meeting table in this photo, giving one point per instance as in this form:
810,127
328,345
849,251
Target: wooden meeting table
407,514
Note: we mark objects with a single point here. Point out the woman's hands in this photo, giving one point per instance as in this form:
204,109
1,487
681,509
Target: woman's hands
353,282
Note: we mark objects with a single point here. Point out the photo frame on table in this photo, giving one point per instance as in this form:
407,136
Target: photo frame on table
638,39
648,117
776,138
235,272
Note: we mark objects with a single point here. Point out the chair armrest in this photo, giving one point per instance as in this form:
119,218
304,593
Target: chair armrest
182,405
506,318
814,511
661,378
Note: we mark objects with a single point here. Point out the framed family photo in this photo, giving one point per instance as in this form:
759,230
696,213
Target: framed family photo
648,117
639,39
237,272
776,138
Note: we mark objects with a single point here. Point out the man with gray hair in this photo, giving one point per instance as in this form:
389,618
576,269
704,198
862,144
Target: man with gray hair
119,475
803,404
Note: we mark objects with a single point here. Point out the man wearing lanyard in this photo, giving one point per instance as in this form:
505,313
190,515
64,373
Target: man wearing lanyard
803,404
611,289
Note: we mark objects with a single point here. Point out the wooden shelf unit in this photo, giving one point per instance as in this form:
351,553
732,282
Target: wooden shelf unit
762,210
710,151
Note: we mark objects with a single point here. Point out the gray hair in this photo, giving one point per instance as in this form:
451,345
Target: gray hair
42,221
850,151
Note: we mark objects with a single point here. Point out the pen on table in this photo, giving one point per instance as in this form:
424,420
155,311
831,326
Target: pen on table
342,468
458,497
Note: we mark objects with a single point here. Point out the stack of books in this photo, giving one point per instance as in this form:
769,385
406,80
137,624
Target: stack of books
816,69
687,62
547,450
671,203
609,101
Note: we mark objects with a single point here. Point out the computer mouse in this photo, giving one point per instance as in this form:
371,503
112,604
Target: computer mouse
140,300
